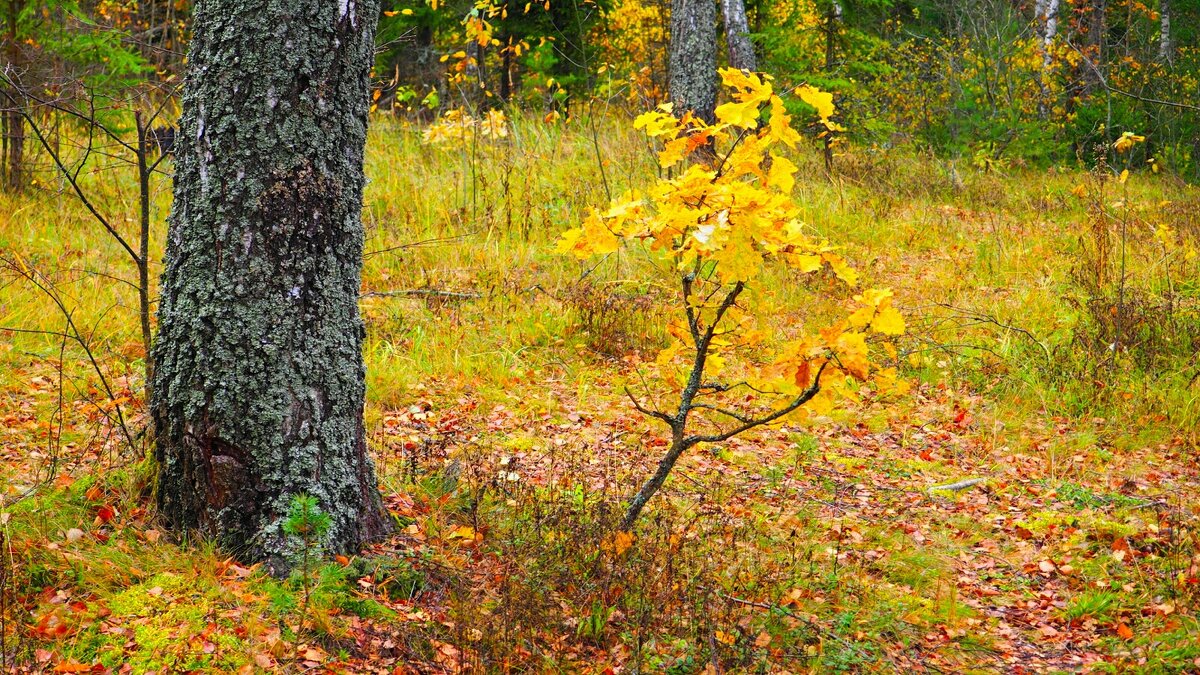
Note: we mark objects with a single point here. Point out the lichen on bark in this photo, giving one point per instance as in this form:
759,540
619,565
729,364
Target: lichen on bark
693,52
259,382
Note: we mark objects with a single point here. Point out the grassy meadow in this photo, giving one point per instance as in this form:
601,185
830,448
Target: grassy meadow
1053,331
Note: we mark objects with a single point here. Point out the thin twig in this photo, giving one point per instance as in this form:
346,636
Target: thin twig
422,293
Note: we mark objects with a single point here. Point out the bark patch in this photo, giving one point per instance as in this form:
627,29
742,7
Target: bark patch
299,211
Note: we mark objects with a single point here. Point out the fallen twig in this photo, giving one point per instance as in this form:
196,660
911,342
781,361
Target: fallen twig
422,293
956,487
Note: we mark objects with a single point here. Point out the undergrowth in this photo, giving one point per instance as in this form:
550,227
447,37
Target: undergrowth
505,446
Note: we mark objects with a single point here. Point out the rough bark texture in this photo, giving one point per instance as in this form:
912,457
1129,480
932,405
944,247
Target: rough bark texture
737,35
259,378
693,67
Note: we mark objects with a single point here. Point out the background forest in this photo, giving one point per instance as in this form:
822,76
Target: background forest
992,240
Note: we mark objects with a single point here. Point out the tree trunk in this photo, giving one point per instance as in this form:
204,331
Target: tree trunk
506,67
693,67
737,36
1165,54
259,378
1095,48
833,24
1047,23
14,143
13,105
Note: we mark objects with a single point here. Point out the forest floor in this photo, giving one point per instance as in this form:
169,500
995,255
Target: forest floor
1054,322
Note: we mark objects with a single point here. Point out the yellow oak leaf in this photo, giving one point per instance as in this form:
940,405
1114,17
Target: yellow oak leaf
656,123
821,100
739,114
780,128
888,321
673,152
781,174
841,268
861,318
874,297
851,349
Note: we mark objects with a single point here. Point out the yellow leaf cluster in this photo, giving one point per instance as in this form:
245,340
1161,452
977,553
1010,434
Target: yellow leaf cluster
457,125
726,210
1127,141
737,213
877,313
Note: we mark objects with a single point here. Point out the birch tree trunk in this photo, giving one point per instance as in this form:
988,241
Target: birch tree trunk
737,35
1047,22
259,378
693,66
1165,54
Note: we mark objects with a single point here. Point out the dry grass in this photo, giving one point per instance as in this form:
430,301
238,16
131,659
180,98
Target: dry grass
495,405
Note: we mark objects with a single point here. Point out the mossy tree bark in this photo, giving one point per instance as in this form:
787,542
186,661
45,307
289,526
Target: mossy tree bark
693,65
259,378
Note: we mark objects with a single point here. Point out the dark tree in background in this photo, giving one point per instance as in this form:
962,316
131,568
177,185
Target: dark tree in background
12,104
737,35
693,60
259,379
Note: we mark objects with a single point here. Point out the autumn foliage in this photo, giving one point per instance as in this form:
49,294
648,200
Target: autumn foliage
725,213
